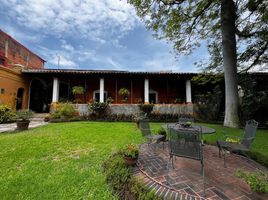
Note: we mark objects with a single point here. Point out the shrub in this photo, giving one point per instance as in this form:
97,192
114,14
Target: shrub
119,176
146,108
63,110
67,110
6,114
98,108
24,115
258,181
162,131
209,105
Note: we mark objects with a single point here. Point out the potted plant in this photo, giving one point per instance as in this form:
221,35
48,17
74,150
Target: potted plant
77,92
130,152
162,131
124,93
23,119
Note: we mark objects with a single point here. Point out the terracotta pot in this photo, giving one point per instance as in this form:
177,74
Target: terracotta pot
130,161
22,125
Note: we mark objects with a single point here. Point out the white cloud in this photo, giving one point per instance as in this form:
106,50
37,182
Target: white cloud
63,62
91,19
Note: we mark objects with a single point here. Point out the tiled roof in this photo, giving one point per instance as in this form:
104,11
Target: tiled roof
71,71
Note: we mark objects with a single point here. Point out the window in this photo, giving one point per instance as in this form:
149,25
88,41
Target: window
153,96
96,95
2,91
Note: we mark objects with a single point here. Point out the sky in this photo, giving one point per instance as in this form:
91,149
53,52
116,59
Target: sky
90,34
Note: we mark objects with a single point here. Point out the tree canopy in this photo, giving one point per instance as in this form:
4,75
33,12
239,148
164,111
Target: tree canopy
236,33
187,23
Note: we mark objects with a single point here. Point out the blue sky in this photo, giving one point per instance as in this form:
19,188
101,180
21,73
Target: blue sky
90,34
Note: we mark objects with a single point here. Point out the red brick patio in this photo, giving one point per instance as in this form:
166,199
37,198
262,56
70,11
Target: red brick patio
185,180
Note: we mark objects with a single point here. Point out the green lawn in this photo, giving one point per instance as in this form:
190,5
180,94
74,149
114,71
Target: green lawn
259,147
61,161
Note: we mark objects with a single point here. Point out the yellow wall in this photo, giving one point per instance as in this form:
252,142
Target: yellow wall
11,80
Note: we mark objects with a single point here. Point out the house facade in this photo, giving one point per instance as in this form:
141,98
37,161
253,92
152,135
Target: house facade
53,85
26,84
14,86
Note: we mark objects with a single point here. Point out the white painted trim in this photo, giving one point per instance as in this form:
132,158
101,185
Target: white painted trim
98,91
188,91
56,89
101,90
146,90
156,95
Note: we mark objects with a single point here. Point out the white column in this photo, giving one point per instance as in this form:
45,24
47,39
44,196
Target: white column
56,89
102,90
146,90
188,91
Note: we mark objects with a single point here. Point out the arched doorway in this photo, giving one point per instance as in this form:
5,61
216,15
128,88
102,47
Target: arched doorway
19,99
38,96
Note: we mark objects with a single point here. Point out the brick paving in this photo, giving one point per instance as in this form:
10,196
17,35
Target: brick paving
185,180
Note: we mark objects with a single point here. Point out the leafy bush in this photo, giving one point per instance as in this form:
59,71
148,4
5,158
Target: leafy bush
6,114
209,105
131,150
146,108
258,181
67,110
63,110
142,192
162,131
124,92
98,108
24,115
78,90
120,177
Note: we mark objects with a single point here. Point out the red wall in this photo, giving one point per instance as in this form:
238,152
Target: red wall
18,54
168,89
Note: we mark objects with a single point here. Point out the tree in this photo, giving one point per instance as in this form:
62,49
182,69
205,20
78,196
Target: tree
222,24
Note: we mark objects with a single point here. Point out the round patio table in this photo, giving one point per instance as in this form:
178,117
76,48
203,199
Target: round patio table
205,129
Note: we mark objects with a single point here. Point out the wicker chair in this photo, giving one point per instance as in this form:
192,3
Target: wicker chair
246,140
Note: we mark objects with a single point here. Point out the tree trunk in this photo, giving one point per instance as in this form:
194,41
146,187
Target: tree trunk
228,17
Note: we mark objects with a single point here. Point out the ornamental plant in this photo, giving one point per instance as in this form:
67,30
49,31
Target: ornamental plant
131,150
124,92
6,114
78,90
24,115
98,108
146,108
233,140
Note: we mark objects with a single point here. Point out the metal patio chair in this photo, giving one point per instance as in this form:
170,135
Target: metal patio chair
186,143
246,140
147,132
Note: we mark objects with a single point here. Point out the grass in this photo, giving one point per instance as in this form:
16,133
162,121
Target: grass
259,149
61,161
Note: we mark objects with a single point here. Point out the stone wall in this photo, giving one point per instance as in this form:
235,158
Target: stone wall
129,109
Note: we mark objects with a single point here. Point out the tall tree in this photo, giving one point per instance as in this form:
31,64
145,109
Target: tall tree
223,24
